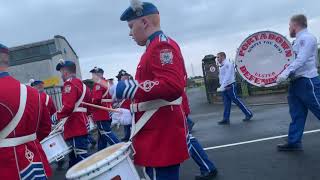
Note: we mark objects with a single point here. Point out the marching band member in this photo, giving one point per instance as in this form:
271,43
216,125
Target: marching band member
102,97
161,144
74,92
125,104
229,90
304,90
39,85
25,121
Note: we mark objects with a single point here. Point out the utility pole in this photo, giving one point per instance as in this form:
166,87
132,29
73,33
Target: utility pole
192,69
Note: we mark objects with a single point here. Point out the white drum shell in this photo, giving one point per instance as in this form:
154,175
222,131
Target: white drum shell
55,147
117,164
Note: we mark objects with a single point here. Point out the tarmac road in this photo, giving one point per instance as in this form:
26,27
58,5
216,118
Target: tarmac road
257,160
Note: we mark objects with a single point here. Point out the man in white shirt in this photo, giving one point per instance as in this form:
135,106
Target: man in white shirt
229,89
304,90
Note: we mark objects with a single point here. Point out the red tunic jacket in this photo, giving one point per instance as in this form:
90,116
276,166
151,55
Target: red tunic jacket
99,97
125,104
17,161
160,73
50,106
185,104
76,125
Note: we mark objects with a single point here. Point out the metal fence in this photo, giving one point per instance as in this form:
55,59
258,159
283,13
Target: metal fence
56,94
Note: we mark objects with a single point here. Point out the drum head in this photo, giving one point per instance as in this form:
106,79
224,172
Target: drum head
262,57
97,160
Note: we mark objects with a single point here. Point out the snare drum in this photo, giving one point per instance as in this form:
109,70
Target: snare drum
110,163
55,147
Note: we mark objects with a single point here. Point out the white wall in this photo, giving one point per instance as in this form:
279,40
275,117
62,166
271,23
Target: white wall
35,70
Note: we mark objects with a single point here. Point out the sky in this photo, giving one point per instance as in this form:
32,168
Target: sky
201,27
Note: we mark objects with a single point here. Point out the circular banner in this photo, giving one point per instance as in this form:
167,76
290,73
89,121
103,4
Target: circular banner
262,57
212,69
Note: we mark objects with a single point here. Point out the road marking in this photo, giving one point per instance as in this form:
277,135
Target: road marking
202,115
256,140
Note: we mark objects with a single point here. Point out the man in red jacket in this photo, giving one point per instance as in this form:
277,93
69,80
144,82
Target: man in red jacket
24,123
74,92
159,77
39,85
102,97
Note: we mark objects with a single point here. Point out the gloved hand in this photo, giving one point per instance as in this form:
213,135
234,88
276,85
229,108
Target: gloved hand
282,77
115,123
125,89
59,127
123,117
220,89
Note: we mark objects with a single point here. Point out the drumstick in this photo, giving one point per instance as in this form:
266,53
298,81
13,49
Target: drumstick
100,107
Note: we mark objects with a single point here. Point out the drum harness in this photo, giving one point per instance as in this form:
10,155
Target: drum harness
149,108
104,100
47,100
4,133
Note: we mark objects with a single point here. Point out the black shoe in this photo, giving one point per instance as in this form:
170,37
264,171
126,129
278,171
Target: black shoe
208,176
290,147
224,122
247,118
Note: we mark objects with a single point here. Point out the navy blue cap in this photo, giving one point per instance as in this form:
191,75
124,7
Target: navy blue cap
37,82
4,49
131,13
122,73
64,64
97,70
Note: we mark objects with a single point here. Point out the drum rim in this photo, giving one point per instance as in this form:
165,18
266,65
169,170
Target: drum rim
100,164
52,135
251,35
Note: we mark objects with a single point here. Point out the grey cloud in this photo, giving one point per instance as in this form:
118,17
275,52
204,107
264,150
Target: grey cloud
94,30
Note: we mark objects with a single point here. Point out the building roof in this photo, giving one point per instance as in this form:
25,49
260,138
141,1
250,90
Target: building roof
62,37
37,51
25,46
